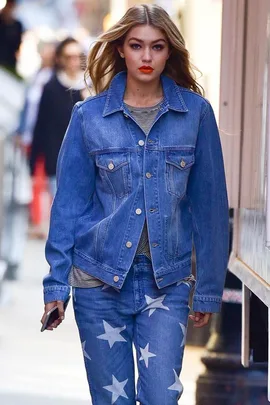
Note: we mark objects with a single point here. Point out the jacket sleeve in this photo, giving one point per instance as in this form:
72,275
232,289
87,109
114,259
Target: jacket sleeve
75,185
210,215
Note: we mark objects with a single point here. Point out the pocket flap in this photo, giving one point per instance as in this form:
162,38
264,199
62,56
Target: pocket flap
112,161
181,159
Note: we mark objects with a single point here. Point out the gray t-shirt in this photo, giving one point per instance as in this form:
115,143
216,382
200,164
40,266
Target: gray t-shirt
145,117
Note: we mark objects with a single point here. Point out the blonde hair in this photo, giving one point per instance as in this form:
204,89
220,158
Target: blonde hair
104,61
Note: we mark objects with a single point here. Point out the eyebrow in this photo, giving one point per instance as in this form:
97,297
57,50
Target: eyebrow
140,40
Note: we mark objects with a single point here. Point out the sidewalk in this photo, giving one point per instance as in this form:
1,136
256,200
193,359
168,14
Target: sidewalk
47,368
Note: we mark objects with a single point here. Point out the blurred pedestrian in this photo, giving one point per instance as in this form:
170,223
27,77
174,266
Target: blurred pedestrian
60,94
34,91
25,130
140,176
11,36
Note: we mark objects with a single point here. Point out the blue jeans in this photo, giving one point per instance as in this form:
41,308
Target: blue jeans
155,320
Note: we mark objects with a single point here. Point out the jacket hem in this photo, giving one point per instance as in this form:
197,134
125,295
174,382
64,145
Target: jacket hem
116,277
96,269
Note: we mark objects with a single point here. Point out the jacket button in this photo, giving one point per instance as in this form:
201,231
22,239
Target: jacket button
115,279
128,244
148,175
183,163
111,165
141,142
154,244
138,211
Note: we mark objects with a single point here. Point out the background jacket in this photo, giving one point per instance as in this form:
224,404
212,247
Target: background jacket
56,104
111,176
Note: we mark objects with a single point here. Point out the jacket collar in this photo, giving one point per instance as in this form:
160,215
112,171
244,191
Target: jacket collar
173,99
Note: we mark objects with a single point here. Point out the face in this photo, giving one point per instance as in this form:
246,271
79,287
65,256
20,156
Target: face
146,51
70,59
10,7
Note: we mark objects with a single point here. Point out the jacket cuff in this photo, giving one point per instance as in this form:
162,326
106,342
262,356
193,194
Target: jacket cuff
206,304
56,293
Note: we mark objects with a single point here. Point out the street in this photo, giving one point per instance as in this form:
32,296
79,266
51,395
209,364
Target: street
47,368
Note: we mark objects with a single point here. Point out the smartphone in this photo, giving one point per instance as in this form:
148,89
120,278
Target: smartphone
52,315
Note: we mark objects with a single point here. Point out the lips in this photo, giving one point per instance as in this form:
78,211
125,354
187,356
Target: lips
146,69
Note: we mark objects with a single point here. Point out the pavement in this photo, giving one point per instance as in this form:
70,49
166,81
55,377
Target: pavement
47,368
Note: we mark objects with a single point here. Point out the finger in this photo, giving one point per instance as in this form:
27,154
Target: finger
196,317
60,306
207,318
199,324
57,323
43,318
203,321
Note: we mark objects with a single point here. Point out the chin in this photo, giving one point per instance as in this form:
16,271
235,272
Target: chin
146,78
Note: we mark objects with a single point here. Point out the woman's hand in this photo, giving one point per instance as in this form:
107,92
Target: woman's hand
200,319
48,307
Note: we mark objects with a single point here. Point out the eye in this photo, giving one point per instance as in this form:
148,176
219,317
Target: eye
135,46
158,47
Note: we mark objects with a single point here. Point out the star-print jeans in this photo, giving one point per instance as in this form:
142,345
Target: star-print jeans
110,321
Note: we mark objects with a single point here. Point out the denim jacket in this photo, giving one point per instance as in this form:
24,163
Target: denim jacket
112,176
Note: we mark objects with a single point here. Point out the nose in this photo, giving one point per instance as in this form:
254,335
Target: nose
147,55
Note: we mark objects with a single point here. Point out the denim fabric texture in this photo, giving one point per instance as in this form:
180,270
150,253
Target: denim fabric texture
155,320
109,182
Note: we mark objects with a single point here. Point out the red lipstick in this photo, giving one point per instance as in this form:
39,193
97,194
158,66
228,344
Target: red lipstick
146,69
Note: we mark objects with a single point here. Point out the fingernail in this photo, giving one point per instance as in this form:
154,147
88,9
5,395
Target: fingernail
62,318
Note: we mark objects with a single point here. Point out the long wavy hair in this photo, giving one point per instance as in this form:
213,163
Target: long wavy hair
104,61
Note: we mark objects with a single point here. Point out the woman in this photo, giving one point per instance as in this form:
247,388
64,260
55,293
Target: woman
60,94
140,175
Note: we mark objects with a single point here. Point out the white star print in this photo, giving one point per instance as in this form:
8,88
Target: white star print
112,334
184,332
154,303
84,351
177,386
183,282
145,354
117,389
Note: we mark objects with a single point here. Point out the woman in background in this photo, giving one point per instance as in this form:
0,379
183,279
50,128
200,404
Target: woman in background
60,94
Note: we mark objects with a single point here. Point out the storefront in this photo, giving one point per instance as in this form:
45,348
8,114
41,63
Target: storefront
245,133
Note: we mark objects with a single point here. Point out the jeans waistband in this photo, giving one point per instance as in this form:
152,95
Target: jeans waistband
141,259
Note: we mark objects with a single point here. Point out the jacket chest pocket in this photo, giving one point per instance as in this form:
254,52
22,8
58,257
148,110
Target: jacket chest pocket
114,171
178,165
